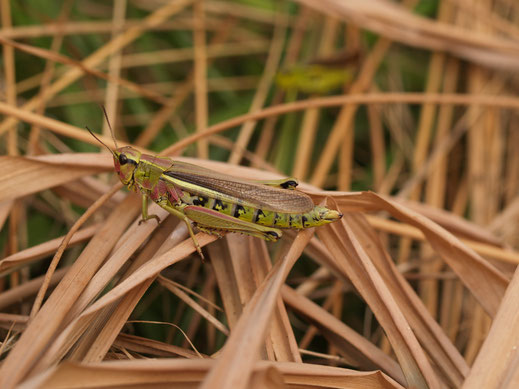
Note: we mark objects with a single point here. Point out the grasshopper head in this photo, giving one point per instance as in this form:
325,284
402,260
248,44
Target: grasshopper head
126,160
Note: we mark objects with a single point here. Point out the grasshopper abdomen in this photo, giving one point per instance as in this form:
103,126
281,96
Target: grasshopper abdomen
315,216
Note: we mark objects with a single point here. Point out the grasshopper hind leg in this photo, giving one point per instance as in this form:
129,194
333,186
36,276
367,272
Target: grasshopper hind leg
267,235
213,222
210,231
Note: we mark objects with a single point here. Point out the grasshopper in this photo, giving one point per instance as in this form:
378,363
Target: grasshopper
214,202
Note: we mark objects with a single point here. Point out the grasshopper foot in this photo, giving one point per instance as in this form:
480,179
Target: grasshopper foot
198,248
148,218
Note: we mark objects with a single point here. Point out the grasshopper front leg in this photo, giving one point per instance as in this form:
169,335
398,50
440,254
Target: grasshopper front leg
145,215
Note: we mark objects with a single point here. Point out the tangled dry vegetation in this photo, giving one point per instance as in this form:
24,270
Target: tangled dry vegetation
406,112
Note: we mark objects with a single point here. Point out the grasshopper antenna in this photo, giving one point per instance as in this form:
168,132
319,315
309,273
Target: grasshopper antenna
100,141
109,126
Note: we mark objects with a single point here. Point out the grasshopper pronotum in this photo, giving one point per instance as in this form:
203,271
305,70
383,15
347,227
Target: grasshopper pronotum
216,202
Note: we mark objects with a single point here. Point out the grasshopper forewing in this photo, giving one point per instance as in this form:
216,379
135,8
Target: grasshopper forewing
216,203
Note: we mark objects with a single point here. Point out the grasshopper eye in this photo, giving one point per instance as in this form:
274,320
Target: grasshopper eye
123,160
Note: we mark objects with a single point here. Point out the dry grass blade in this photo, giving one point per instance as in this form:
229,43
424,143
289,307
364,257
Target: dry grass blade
446,357
352,259
356,347
127,244
14,322
63,246
10,79
484,249
373,98
238,281
27,176
53,125
271,65
134,281
114,67
395,22
152,347
83,27
235,364
230,290
496,364
42,328
116,44
486,282
453,223
29,289
40,251
192,303
96,341
200,74
55,57
5,209
332,101
167,372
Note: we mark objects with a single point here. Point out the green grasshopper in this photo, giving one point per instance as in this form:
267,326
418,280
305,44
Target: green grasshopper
214,202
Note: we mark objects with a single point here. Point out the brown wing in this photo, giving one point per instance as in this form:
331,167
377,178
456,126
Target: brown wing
241,191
